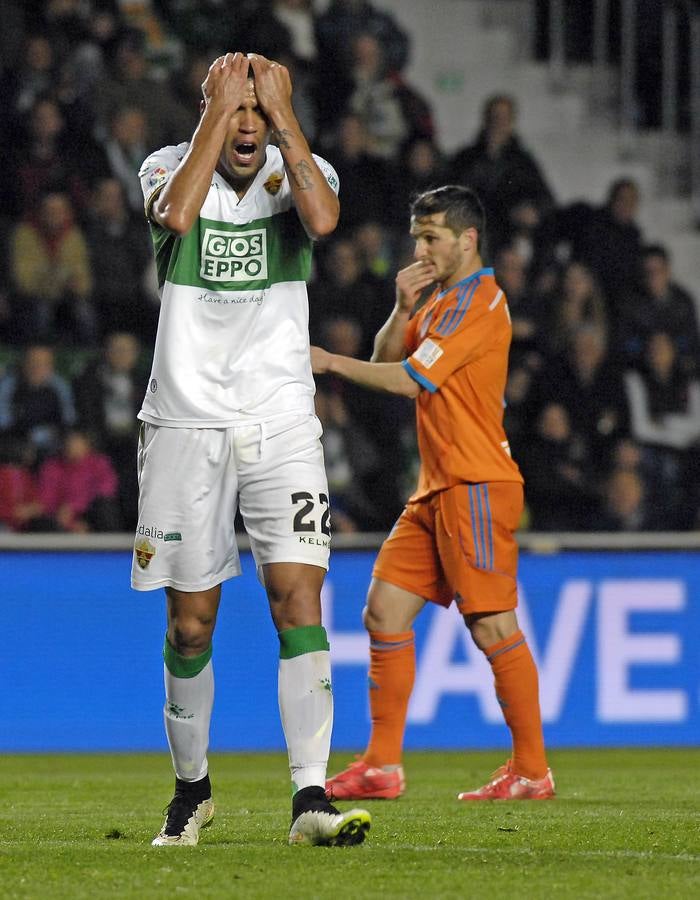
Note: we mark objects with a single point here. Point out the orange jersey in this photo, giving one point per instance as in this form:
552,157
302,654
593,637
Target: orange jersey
457,349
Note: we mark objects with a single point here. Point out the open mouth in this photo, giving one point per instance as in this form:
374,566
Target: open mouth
244,152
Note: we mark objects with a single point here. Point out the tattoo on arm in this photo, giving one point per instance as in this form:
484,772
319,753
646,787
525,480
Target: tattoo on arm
283,136
302,176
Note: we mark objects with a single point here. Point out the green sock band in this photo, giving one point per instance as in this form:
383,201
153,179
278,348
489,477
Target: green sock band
307,639
184,666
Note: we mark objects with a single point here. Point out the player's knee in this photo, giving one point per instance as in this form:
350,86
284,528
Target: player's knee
294,606
372,618
489,628
192,635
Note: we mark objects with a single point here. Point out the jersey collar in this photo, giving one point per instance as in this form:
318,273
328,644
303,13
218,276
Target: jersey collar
465,281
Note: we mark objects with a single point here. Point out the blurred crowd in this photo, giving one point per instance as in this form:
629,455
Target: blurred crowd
603,398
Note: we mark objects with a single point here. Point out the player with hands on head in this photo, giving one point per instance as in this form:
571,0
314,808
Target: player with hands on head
228,422
454,540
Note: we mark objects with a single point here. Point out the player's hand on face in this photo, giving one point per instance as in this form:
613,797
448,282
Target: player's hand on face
273,85
226,83
319,360
412,281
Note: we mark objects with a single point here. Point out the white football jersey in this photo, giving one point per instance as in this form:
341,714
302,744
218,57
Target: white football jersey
233,342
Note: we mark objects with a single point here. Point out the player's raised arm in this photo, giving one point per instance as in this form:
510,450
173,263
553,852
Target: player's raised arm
410,283
316,202
177,206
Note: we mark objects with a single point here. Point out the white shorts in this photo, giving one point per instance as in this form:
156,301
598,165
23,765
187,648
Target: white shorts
192,480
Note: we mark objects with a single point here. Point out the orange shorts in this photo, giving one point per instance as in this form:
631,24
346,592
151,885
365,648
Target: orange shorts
458,545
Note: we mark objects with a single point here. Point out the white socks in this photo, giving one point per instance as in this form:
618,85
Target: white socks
306,703
189,697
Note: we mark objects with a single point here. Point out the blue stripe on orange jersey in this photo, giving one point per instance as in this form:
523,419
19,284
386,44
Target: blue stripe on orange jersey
416,376
485,489
464,294
475,538
482,527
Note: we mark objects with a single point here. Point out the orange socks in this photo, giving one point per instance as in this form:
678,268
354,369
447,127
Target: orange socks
517,691
392,671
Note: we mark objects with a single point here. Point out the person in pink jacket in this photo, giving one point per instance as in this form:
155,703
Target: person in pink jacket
79,487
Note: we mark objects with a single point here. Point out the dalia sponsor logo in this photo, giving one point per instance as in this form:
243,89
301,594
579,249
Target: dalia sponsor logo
151,531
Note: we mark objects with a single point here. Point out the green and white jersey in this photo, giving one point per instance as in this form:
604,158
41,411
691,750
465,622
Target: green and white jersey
233,340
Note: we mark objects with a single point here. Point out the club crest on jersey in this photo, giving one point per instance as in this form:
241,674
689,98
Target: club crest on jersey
234,255
274,183
145,551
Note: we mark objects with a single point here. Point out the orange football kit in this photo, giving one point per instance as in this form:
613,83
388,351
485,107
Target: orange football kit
455,539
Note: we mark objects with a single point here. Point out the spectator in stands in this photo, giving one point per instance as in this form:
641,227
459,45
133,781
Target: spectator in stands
606,238
187,83
660,305
64,22
78,489
377,251
499,168
588,382
305,91
367,180
20,509
421,167
86,57
108,396
346,290
577,301
120,257
391,111
125,149
211,25
518,414
350,458
344,19
6,330
36,403
44,159
521,231
526,309
33,78
298,18
557,470
377,419
625,505
129,83
336,29
664,400
51,274
664,403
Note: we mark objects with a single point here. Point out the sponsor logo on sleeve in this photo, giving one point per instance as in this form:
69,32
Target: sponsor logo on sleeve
328,173
234,255
157,177
145,166
428,353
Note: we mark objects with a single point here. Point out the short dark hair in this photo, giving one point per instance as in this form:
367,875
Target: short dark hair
656,250
461,206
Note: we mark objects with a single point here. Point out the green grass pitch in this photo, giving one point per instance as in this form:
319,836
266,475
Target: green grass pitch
624,824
